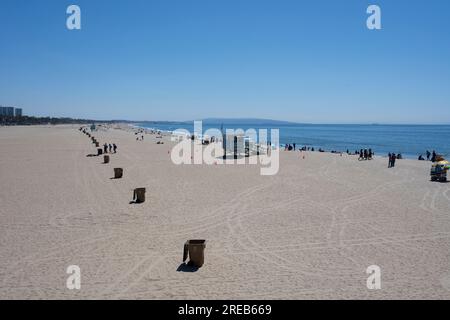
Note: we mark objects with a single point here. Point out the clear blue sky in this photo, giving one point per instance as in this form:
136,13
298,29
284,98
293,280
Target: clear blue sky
306,61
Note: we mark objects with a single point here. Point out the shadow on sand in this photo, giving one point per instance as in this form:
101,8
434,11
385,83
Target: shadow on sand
186,268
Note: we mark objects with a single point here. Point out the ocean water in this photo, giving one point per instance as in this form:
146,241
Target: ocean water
409,140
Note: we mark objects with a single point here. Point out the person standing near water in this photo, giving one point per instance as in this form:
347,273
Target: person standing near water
393,160
433,157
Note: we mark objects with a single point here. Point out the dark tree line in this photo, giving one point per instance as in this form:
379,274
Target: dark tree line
27,121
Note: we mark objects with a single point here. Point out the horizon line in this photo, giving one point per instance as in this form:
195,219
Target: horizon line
250,118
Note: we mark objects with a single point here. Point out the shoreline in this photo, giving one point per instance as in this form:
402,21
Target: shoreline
405,156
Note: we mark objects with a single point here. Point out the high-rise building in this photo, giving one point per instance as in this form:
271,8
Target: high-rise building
10,111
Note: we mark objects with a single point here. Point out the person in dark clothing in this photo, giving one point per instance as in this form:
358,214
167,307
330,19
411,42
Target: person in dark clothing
389,160
433,157
361,154
115,148
293,146
365,154
105,148
370,154
394,157
110,148
421,158
428,155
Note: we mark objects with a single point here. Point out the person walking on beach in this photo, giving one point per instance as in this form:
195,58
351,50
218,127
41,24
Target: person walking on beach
293,146
389,160
428,155
370,154
433,157
110,148
115,148
105,148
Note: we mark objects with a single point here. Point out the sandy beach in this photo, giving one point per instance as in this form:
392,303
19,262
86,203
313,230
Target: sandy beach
309,232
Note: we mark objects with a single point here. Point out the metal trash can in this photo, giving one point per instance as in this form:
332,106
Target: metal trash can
196,251
99,151
139,195
105,159
118,173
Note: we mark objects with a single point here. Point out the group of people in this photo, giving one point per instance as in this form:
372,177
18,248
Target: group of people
430,156
305,148
293,147
392,157
112,148
289,147
140,134
366,154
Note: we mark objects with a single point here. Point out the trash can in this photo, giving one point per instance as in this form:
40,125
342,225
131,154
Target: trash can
118,173
139,195
99,151
196,251
105,159
97,144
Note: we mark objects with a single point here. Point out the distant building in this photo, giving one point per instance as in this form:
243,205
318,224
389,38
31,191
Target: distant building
10,111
